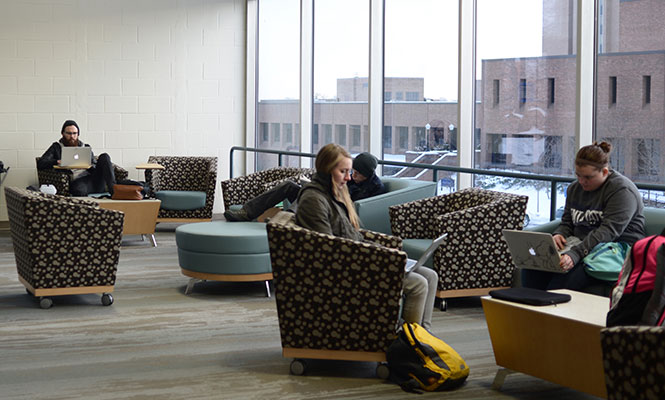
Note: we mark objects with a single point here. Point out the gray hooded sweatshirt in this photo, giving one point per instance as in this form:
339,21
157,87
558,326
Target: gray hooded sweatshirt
612,213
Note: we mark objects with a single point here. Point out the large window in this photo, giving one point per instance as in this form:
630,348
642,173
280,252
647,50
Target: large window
630,84
278,78
341,69
421,53
355,138
525,112
288,133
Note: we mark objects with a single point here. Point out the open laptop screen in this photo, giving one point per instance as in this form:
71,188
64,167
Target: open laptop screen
412,264
76,157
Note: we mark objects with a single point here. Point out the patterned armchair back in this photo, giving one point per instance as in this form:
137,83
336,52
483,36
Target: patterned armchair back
474,255
472,197
244,188
63,242
60,178
183,173
426,211
333,293
634,362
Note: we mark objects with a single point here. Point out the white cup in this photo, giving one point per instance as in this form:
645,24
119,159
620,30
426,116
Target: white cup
48,189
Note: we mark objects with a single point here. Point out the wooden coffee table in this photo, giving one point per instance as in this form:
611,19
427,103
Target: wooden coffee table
559,343
140,215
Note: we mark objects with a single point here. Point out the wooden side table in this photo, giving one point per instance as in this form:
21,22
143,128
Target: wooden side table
149,166
559,343
140,215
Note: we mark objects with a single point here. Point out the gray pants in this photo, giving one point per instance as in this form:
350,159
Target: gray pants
420,291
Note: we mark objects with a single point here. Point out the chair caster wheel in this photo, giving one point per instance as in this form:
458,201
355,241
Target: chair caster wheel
45,303
297,367
107,299
382,371
440,303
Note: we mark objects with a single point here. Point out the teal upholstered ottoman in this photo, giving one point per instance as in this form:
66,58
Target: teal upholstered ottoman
224,251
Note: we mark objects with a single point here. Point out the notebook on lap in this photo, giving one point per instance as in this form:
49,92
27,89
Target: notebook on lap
76,157
412,264
536,250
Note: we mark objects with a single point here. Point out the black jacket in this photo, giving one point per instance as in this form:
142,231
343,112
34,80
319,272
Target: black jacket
368,188
54,153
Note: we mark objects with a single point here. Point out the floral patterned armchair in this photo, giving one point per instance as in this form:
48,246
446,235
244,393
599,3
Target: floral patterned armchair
336,298
474,258
634,362
60,178
239,190
184,174
63,245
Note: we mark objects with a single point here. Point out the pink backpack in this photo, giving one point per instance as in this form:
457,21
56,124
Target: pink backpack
638,298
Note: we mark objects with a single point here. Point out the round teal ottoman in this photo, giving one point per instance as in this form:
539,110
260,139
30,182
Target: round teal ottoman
224,251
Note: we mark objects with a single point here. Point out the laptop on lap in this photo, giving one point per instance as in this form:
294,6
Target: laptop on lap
76,157
536,250
412,264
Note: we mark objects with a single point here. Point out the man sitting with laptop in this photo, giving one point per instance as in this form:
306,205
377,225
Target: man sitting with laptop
90,175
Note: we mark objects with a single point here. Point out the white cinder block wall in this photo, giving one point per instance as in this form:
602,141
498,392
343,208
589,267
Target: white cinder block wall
141,77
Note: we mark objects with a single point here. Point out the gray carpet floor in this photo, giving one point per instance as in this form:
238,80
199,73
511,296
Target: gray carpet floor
219,342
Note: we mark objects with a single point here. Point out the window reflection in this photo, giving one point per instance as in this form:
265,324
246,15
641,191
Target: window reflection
341,70
629,65
420,86
525,96
278,80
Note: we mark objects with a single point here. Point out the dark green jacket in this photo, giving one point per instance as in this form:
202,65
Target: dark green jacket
319,211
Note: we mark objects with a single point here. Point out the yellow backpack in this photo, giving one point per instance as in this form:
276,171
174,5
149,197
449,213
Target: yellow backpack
419,360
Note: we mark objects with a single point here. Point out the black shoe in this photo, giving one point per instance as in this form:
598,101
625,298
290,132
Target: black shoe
236,215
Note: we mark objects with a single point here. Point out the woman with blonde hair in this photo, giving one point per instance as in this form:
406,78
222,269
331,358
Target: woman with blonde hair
324,205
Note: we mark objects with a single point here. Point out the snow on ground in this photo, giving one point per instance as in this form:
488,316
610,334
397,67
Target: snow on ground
538,206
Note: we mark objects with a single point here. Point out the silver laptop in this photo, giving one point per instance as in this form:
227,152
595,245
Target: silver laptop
76,157
536,250
412,264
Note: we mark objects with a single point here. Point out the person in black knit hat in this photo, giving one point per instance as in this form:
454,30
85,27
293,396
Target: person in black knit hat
364,183
99,178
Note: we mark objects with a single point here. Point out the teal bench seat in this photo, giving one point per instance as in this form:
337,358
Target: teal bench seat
224,251
181,200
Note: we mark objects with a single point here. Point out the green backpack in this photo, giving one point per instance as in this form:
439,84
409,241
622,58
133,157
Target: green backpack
605,260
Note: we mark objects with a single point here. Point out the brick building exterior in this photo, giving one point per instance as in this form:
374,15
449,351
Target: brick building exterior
525,115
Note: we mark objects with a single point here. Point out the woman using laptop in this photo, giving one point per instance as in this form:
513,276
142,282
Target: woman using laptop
601,206
324,205
98,178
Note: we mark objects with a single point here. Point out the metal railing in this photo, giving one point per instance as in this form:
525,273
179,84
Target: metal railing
553,179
